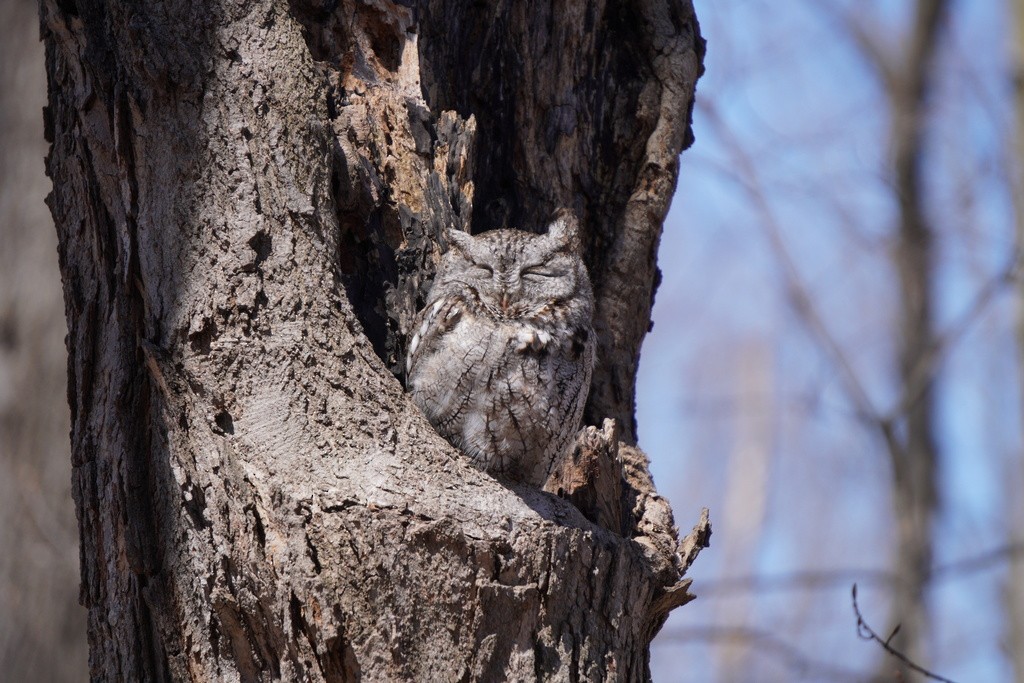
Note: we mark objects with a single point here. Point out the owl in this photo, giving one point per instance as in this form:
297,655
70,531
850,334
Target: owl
501,355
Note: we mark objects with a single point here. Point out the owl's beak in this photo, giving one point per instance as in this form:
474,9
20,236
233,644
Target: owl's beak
504,302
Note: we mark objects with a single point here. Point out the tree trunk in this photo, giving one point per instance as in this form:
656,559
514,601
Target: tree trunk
249,198
909,429
915,456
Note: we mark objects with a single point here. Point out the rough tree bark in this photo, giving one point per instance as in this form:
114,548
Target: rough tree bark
250,198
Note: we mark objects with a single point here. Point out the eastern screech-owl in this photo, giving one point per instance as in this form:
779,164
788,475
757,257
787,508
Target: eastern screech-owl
502,353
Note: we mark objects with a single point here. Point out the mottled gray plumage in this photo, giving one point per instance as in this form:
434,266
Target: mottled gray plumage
501,355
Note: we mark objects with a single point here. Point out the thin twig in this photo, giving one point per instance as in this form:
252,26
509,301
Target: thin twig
867,633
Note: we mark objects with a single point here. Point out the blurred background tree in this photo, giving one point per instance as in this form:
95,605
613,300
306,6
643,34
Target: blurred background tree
835,368
42,627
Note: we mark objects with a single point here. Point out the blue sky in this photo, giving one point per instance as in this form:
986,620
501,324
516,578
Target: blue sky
740,408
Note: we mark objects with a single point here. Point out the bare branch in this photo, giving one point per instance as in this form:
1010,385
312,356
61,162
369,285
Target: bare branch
767,642
800,298
814,580
864,37
923,371
867,633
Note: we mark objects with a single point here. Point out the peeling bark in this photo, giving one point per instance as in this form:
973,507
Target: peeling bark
249,200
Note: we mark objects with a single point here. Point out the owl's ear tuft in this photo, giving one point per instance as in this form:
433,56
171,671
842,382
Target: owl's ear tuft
564,228
458,239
